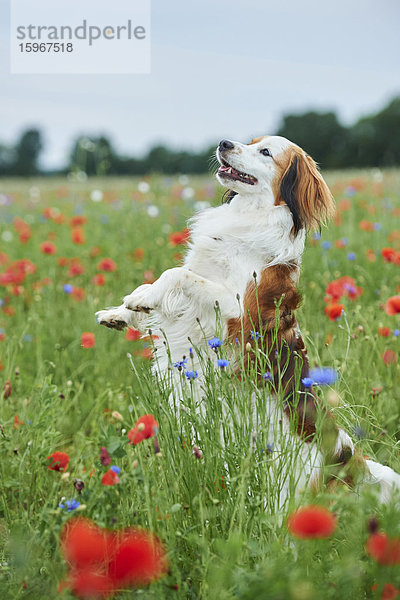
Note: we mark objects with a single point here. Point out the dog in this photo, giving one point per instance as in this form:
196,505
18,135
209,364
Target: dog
243,265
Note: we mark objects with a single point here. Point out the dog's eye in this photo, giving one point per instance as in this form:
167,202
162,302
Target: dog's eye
265,152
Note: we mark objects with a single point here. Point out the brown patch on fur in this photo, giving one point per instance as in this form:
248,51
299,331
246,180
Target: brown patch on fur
269,307
256,140
315,203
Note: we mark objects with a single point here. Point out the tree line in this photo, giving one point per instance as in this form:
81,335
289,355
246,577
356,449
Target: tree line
373,141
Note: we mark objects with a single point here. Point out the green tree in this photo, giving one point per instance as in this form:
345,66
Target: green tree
27,153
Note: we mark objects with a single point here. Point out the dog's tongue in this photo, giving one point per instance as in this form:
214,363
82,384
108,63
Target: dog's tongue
223,169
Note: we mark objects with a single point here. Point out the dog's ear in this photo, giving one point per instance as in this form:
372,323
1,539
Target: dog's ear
306,194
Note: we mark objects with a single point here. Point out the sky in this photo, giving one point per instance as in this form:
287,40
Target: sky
225,69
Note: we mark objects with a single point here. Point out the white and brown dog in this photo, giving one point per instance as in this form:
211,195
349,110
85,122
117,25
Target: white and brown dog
245,256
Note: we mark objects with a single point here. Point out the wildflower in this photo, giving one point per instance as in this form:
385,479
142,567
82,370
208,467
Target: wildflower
178,238
269,448
255,335
70,505
389,592
384,331
75,268
311,522
396,332
48,248
191,375
307,382
132,334
110,477
388,254
138,254
107,264
351,256
17,422
180,364
222,363
68,288
146,427
383,549
326,245
116,469
389,356
59,461
359,432
79,485
365,225
323,376
334,311
77,221
392,305
197,452
99,279
84,544
77,235
105,458
214,343
78,294
267,376
7,389
88,340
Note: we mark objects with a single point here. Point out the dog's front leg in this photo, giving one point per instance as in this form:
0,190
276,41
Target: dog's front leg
178,285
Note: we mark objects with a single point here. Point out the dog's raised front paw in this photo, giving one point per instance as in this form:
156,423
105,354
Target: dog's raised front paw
113,318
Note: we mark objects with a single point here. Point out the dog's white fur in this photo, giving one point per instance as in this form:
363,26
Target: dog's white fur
228,245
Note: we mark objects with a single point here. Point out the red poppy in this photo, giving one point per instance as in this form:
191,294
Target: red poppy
384,331
78,221
392,305
107,264
99,279
344,286
62,261
388,254
389,356
311,522
138,253
139,559
77,235
17,422
132,334
389,592
83,543
178,238
48,248
78,294
366,225
7,389
75,268
88,340
110,478
383,549
146,427
334,311
90,584
95,251
371,255
59,461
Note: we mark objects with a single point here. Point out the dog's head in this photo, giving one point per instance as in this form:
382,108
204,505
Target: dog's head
274,168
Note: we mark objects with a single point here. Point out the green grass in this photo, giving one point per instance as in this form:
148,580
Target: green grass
210,512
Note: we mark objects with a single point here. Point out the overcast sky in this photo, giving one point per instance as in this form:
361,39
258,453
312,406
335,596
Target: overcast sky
220,68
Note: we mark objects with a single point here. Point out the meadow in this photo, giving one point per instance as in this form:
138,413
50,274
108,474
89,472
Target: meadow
69,248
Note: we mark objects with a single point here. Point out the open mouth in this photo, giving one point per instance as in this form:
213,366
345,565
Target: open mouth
226,170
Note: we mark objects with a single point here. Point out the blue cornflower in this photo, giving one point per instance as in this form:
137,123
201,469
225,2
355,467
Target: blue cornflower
350,191
237,341
396,332
191,375
307,382
70,505
267,376
180,364
316,235
255,335
269,448
351,256
326,245
28,337
214,343
68,288
116,469
222,362
323,376
377,226
344,241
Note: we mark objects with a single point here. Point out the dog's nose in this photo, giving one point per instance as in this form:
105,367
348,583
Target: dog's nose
225,145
